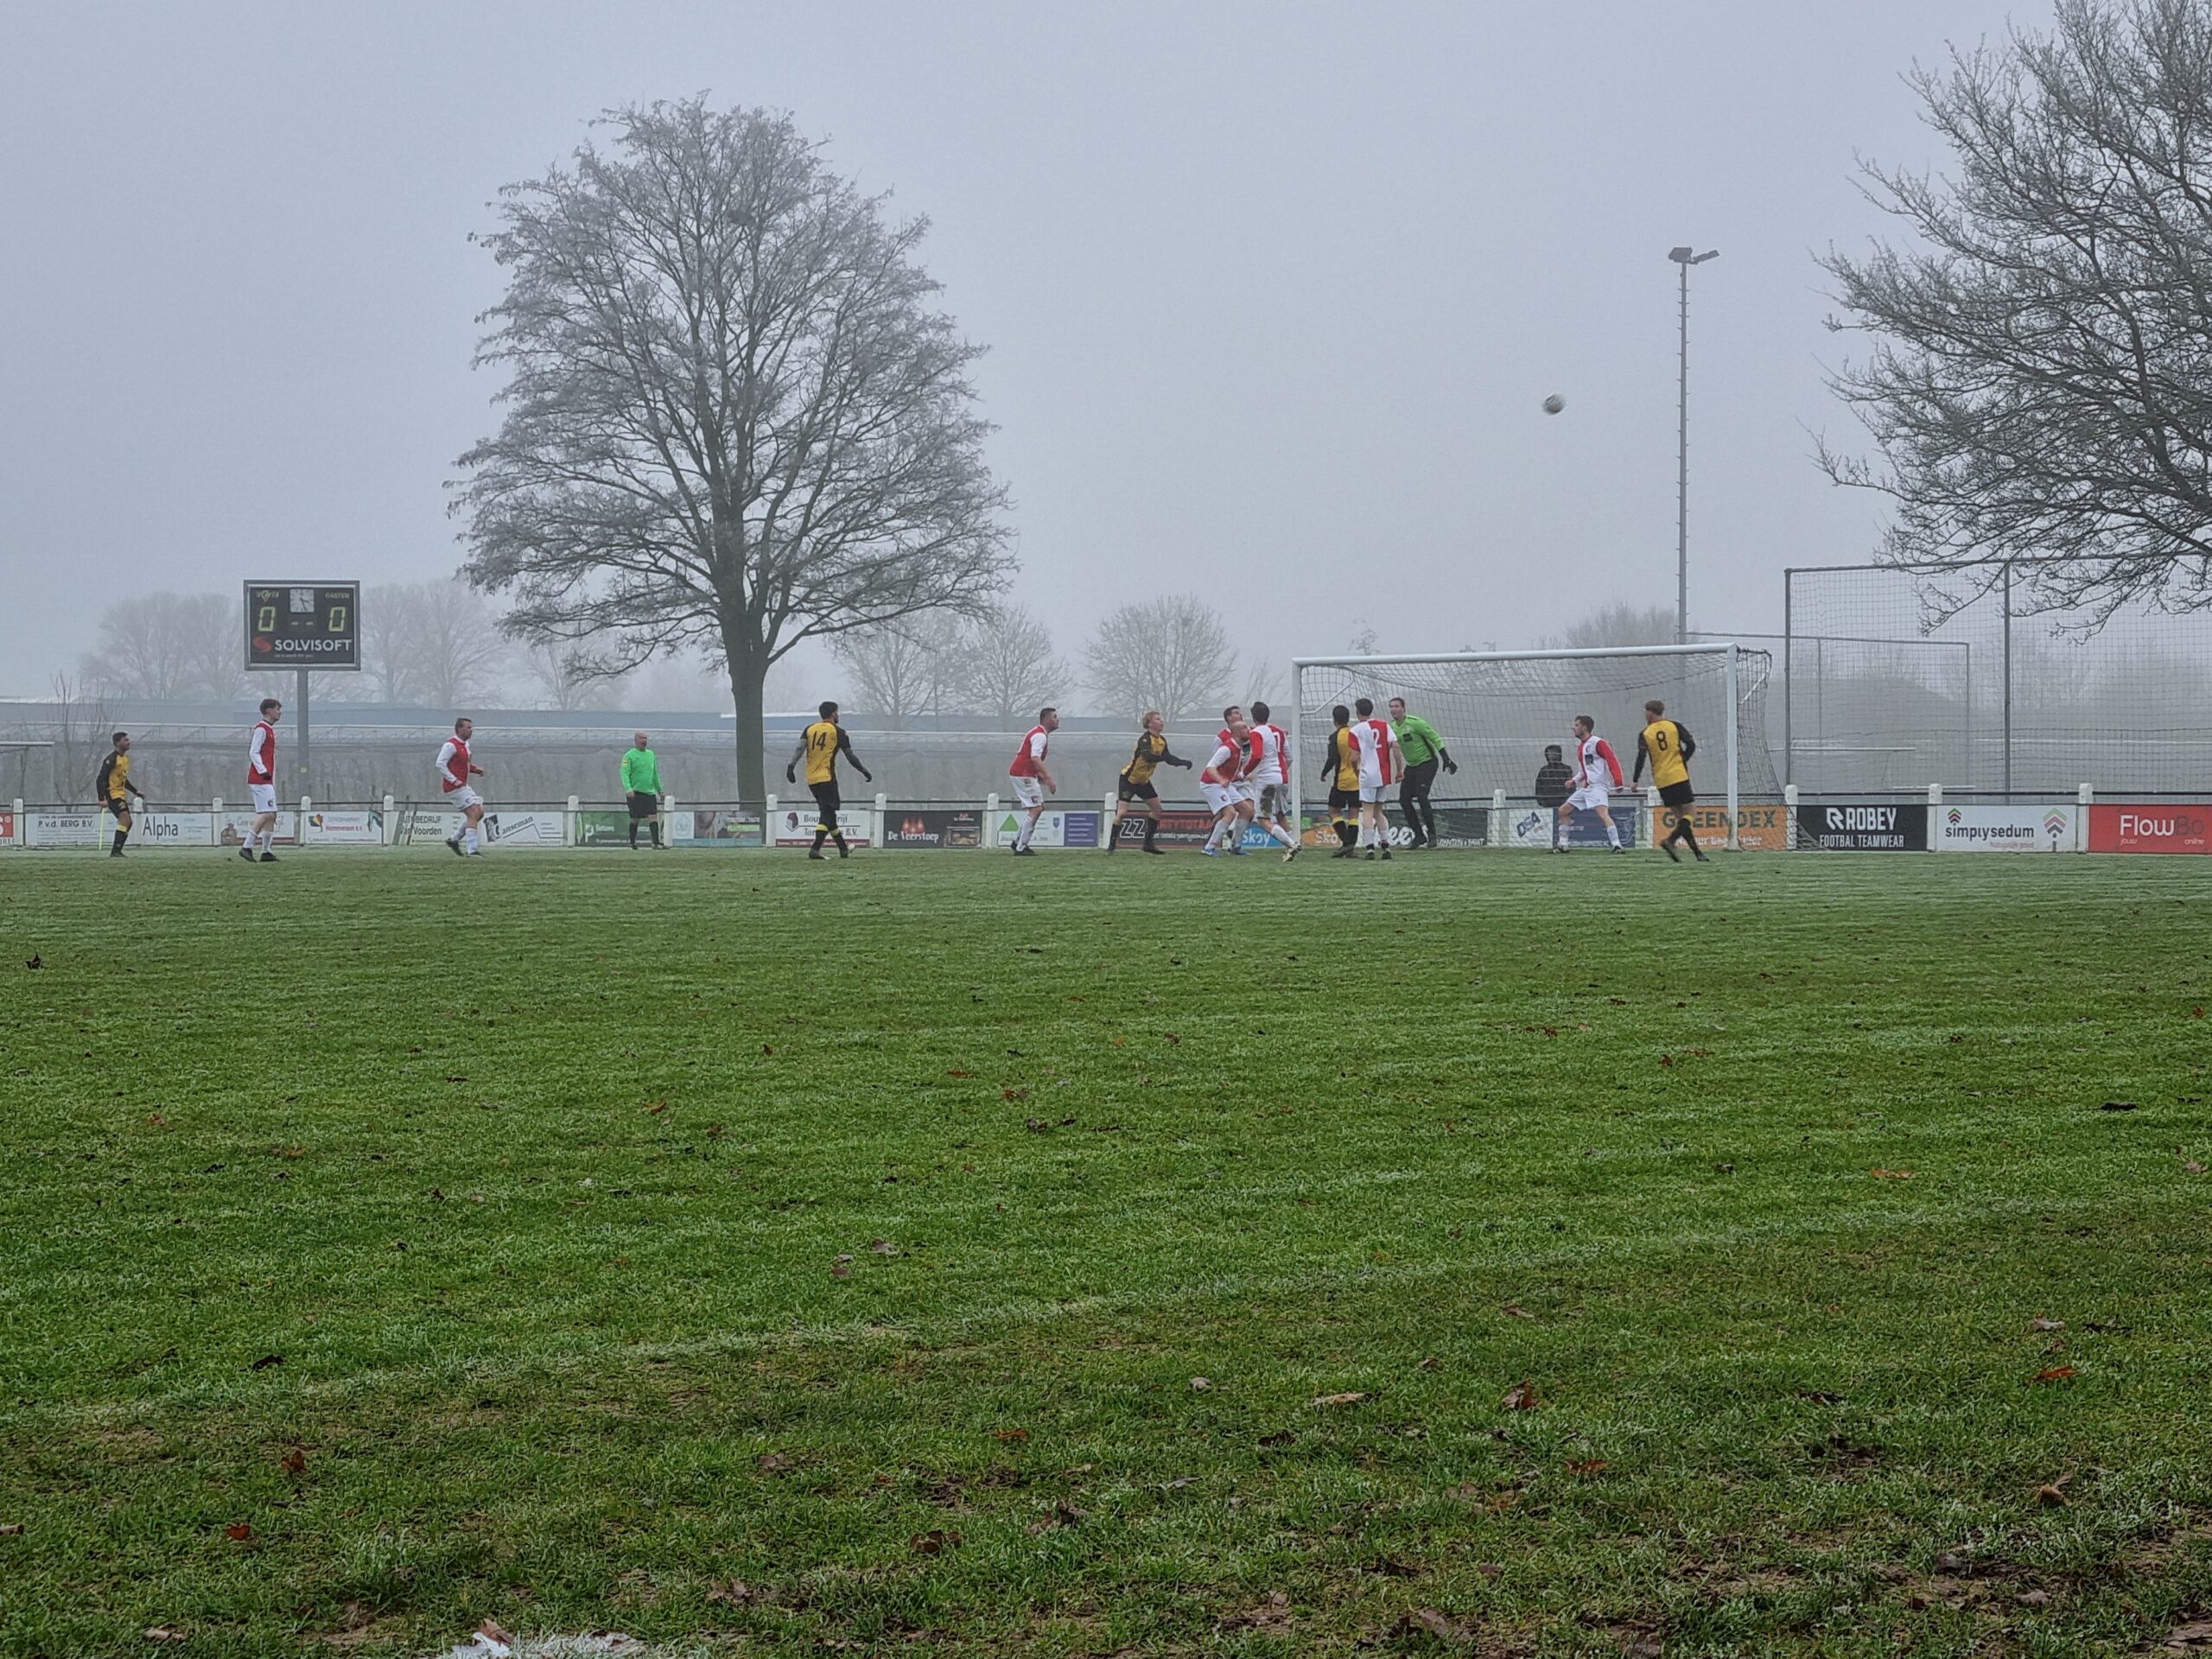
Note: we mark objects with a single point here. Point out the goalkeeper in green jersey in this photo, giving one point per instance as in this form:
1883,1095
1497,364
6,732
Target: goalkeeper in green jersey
1424,750
641,787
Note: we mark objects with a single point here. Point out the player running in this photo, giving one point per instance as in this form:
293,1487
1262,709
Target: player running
1596,774
1032,778
115,789
1268,771
261,781
1135,786
1423,747
1341,767
819,746
454,770
1669,746
1375,746
1221,784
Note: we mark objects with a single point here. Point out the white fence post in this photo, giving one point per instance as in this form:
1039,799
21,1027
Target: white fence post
1500,831
768,825
991,820
15,822
568,824
390,823
1106,825
668,821
1789,816
882,813
300,825
1934,794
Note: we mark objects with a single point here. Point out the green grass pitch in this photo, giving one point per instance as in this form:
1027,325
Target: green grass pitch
954,1253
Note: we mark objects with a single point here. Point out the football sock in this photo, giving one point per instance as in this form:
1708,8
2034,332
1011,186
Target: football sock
1612,836
1151,828
119,835
473,839
838,836
1344,833
655,832
1688,836
820,835
1282,835
633,835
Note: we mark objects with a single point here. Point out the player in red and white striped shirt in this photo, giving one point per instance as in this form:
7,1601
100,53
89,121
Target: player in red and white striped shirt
1221,782
1375,748
1269,772
454,770
261,781
1596,774
1032,778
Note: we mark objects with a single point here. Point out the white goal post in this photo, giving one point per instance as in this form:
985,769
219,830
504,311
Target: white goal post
1497,710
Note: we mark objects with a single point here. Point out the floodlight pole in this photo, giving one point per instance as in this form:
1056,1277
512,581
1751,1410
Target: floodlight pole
1685,258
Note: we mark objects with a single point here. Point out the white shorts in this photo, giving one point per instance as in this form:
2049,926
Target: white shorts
1029,791
1248,791
464,798
264,796
1373,791
1220,798
1590,799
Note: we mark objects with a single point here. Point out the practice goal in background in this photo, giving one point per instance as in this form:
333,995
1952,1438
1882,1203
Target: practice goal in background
1497,710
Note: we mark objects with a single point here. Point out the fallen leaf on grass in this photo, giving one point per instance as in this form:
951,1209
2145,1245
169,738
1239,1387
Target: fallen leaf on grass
1666,1060
882,1246
1036,1125
2195,1633
2118,1106
159,1632
2033,1598
1515,1310
735,1594
772,1462
1893,1174
935,1541
2039,1323
1013,1094
237,1532
1432,1363
655,1108
1201,1383
13,1529
1587,1466
1338,1399
1172,1037
1273,1614
2053,1493
1453,1632
957,1073
265,1362
1062,1513
2052,1374
1522,1396
1009,1434
2187,1163
1281,1437
293,1462
39,962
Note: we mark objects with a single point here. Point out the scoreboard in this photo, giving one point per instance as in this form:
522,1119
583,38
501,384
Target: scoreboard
302,624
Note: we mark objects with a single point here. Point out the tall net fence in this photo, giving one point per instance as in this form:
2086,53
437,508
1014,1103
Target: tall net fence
1498,713
1895,678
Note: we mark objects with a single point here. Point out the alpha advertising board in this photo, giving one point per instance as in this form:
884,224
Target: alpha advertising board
2162,827
1863,827
2004,830
794,825
346,829
173,829
1762,826
933,827
719,826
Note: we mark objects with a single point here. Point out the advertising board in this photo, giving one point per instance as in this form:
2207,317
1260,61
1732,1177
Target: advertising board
526,829
7,827
599,828
719,826
933,827
62,829
173,829
1762,826
1863,827
1531,826
235,826
794,825
356,828
1062,827
2006,830
2162,827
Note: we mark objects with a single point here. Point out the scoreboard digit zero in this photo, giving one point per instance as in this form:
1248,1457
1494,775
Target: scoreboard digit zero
302,624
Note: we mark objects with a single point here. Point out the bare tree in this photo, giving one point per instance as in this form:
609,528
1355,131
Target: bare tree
1007,667
82,726
903,669
733,420
563,678
1616,624
2040,380
1260,685
437,644
166,646
1170,653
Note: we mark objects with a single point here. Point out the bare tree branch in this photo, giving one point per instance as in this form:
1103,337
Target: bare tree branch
1171,653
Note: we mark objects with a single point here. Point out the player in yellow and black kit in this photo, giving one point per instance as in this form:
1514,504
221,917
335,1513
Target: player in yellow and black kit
1341,767
1669,746
1136,783
819,746
115,789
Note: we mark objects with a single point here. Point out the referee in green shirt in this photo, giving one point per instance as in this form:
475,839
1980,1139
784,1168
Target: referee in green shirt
1423,748
641,784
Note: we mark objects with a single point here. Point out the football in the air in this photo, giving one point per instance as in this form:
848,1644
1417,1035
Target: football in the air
1554,403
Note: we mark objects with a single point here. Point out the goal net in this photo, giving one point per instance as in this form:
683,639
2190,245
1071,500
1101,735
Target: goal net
1497,711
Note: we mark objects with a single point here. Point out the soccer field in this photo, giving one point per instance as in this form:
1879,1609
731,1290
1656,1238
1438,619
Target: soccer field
1074,1255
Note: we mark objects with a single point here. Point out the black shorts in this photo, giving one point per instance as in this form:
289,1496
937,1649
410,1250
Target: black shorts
643,805
1129,791
119,807
1676,794
827,798
1341,800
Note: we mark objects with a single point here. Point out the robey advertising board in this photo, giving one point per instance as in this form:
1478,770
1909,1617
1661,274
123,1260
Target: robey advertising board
1863,827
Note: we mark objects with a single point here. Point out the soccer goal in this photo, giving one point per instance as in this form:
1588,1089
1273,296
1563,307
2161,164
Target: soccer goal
1499,711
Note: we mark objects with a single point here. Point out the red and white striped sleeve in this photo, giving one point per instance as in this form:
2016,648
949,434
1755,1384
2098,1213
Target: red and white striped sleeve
1612,761
446,755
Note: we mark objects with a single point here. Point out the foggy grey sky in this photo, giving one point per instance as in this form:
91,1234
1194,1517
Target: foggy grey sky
1273,293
